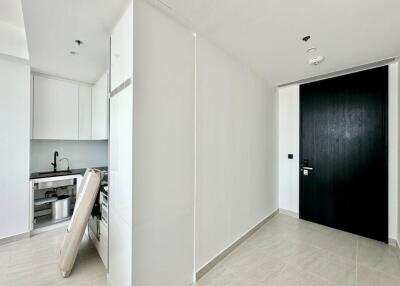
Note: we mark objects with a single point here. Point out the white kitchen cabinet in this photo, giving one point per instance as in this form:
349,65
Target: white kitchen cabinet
66,110
100,109
120,186
85,112
55,112
120,154
121,49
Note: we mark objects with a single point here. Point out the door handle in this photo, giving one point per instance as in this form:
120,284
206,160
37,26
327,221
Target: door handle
305,170
304,167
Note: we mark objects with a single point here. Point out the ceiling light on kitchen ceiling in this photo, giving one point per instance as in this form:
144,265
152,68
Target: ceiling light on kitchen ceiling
74,53
316,60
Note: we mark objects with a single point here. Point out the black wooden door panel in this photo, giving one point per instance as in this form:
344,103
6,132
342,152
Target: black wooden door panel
343,138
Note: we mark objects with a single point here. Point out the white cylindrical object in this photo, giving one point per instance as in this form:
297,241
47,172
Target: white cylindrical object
61,208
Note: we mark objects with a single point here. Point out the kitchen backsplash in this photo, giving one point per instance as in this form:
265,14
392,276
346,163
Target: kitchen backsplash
81,154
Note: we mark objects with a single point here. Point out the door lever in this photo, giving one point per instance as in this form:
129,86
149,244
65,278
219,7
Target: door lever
305,170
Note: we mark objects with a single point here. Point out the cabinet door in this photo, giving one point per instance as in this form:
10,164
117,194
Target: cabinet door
85,112
116,57
122,49
100,110
55,112
120,184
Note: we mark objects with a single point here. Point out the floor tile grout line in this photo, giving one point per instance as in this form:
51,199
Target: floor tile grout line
323,249
373,268
357,261
381,272
320,277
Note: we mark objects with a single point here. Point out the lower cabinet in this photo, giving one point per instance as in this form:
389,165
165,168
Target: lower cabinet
100,240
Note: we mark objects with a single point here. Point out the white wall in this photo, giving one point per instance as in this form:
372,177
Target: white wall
236,143
289,143
398,156
81,154
163,176
14,147
236,151
289,112
13,41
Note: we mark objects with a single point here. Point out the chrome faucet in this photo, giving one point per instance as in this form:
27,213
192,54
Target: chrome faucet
55,162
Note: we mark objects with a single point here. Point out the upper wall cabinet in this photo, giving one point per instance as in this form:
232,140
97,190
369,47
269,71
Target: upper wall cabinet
121,50
55,112
100,109
85,112
65,110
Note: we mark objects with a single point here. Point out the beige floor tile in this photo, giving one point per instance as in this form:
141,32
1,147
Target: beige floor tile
339,242
379,256
368,277
333,268
289,251
285,252
34,262
218,276
294,276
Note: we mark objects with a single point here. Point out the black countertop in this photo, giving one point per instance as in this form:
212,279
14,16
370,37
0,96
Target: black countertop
49,174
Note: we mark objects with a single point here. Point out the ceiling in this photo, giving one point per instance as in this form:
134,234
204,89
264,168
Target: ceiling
11,13
52,26
267,34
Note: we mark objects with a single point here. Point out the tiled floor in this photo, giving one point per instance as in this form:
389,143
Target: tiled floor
285,251
34,262
288,251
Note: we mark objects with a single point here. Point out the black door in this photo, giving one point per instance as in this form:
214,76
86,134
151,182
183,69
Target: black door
343,153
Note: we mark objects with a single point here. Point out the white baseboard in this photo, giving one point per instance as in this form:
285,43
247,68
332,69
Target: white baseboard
289,213
393,242
206,268
108,280
14,238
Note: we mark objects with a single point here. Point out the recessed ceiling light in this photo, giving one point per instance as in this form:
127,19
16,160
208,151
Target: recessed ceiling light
74,53
79,42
